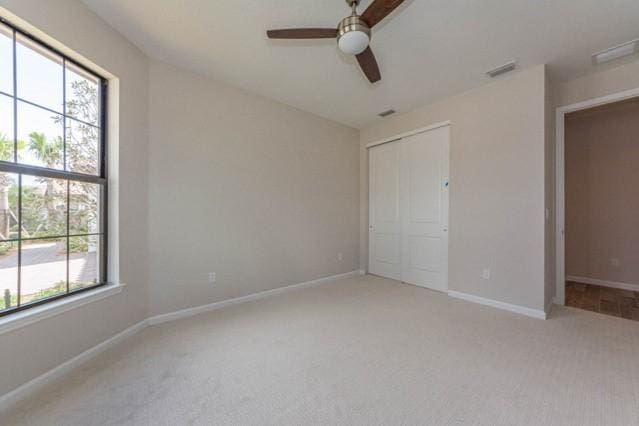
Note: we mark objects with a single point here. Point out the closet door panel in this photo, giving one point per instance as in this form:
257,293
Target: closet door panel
384,211
423,209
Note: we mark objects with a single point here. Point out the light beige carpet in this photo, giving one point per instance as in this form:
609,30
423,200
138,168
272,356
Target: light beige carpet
362,350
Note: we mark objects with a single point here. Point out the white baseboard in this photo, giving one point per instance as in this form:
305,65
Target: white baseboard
172,316
603,283
534,313
39,382
549,306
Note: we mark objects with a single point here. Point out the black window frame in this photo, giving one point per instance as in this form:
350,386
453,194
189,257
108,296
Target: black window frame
100,179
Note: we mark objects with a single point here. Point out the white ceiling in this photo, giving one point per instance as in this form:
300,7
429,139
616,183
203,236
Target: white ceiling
427,49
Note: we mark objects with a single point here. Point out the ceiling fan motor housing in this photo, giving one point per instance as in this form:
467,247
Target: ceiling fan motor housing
353,35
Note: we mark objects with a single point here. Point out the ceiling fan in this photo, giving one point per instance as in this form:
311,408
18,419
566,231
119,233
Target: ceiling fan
353,33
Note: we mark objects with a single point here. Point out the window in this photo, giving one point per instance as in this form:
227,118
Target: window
53,183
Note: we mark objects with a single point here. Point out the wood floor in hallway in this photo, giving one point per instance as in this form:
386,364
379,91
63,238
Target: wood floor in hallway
605,300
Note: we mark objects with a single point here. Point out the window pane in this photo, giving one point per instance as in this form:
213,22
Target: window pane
84,208
82,148
82,95
8,207
44,207
6,59
39,74
44,269
41,132
8,275
6,128
84,261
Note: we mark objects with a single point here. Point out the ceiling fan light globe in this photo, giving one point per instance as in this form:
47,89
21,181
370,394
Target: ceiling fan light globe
353,42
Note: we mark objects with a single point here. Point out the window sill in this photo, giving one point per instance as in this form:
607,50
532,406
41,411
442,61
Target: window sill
48,310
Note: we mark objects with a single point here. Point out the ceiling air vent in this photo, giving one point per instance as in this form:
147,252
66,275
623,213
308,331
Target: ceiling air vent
387,113
502,69
616,52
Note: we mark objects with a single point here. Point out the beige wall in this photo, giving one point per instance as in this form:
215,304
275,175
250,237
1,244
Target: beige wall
497,175
261,193
602,206
31,351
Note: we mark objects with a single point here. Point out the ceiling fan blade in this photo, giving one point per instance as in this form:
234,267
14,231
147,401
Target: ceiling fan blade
302,33
379,10
368,63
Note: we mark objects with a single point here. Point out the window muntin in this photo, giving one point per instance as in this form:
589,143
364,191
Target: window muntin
53,182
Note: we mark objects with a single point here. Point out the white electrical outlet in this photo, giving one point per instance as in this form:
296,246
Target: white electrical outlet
486,274
614,262
340,256
212,277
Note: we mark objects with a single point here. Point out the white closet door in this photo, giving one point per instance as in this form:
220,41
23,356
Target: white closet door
424,208
384,256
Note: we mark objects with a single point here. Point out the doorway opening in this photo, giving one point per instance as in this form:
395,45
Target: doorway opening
598,207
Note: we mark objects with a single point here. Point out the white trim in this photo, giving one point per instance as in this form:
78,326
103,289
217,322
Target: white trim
549,306
560,296
560,249
534,313
26,389
603,283
172,316
409,133
38,313
39,382
603,100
